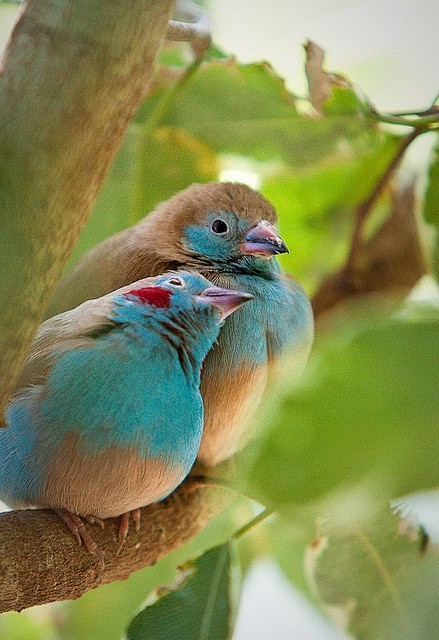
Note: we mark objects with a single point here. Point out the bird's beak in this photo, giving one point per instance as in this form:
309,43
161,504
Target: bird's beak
227,300
263,241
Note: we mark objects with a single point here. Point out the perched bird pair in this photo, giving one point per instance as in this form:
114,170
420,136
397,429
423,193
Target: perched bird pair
108,415
226,232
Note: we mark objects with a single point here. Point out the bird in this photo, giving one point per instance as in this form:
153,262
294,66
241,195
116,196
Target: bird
108,416
226,231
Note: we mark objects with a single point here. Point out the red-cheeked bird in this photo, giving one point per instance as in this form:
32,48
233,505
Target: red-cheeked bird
108,415
226,231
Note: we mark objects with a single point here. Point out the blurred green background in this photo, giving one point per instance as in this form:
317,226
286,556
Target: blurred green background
362,427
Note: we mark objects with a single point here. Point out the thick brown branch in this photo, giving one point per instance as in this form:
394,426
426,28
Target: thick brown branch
71,79
41,562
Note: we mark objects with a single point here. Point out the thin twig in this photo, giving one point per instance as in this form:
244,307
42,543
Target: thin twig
429,121
365,207
266,513
196,30
432,109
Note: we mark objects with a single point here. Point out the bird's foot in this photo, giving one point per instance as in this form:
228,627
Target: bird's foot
76,525
125,525
94,520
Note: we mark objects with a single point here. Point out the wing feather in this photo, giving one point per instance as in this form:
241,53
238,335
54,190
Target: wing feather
72,329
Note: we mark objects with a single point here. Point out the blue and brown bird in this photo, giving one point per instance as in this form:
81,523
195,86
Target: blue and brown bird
108,415
227,232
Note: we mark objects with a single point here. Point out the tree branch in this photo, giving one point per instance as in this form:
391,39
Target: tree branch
71,78
192,26
41,562
364,208
387,265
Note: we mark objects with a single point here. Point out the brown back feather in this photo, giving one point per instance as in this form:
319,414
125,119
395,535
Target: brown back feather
154,245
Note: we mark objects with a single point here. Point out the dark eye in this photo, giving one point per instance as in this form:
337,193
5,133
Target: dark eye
176,282
219,226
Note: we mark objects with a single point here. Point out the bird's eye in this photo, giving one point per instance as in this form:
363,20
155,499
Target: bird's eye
219,226
176,282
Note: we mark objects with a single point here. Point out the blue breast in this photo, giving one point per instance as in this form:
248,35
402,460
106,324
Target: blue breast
130,394
117,392
279,318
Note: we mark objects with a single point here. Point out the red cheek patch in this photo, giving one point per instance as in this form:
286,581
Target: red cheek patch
155,296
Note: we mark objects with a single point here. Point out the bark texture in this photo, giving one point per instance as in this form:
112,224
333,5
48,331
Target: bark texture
40,560
70,80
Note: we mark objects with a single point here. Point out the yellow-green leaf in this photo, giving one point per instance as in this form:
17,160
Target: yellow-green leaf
368,410
375,582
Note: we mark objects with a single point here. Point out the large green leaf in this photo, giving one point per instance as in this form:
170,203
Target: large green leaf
374,581
200,606
368,411
246,109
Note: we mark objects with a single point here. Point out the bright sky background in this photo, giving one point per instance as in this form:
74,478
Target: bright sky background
390,49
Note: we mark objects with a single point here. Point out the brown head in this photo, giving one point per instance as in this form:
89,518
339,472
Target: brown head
214,228
213,225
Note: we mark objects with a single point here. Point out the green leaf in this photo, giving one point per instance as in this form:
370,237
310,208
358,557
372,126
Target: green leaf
374,581
343,182
148,169
246,110
25,626
201,605
118,602
367,412
179,54
173,54
168,160
315,205
215,52
344,100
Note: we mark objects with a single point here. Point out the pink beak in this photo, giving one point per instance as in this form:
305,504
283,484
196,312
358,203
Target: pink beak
264,241
226,300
